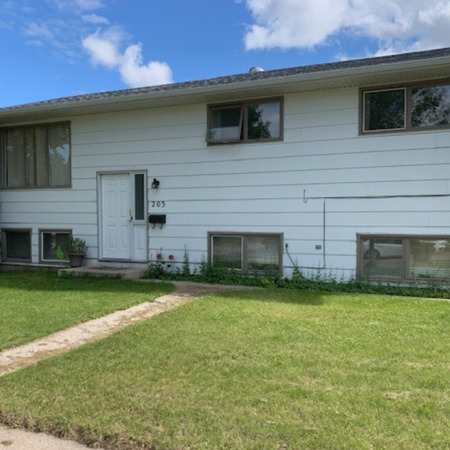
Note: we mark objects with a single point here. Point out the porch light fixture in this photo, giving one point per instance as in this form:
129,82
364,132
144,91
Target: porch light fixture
155,183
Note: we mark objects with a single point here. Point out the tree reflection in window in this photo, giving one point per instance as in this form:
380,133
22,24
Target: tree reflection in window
252,121
430,106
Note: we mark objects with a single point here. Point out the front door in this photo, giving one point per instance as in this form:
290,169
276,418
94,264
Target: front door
123,228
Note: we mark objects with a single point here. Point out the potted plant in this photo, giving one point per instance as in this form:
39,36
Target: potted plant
76,249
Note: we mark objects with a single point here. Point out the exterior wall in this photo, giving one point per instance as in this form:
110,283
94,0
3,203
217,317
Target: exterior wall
275,187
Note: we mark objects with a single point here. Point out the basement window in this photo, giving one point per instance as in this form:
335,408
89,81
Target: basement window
16,245
253,121
246,252
53,245
404,258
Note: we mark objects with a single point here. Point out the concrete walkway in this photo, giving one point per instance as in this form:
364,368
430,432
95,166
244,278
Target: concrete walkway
28,354
25,440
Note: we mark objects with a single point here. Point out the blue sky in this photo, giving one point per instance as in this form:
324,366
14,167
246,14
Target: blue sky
58,48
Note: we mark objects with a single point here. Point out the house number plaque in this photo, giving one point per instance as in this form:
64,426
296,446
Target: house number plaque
158,204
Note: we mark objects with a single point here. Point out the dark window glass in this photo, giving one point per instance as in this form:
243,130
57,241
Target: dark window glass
139,196
58,152
383,258
263,121
245,122
407,258
15,158
263,252
54,244
226,124
17,245
249,252
430,106
37,156
429,258
384,110
227,251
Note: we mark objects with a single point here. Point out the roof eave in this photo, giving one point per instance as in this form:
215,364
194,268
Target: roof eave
438,67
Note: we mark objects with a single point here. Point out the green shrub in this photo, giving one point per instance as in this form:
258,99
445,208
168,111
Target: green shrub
318,281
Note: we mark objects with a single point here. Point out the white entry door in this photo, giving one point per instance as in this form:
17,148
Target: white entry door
123,228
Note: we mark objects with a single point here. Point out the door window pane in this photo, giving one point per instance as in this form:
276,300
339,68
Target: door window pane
139,196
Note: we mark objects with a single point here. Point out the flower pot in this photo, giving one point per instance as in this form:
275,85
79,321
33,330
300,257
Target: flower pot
76,260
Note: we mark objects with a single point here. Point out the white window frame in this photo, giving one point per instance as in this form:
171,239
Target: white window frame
41,244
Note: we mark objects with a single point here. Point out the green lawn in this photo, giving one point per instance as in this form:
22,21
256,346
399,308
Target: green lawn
253,370
35,305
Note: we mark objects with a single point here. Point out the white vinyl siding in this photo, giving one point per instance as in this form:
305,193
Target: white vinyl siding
253,188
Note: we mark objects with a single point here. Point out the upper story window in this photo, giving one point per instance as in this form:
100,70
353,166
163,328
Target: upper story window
245,122
406,108
36,156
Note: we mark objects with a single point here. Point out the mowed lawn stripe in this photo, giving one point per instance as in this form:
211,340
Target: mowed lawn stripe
33,305
252,370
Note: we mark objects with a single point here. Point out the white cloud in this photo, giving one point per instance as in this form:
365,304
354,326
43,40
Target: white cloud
78,5
396,25
290,23
95,19
104,49
39,30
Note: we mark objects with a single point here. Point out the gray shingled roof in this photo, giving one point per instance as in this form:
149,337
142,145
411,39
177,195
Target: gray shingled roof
240,78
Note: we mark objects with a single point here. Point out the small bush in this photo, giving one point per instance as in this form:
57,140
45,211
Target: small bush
318,282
